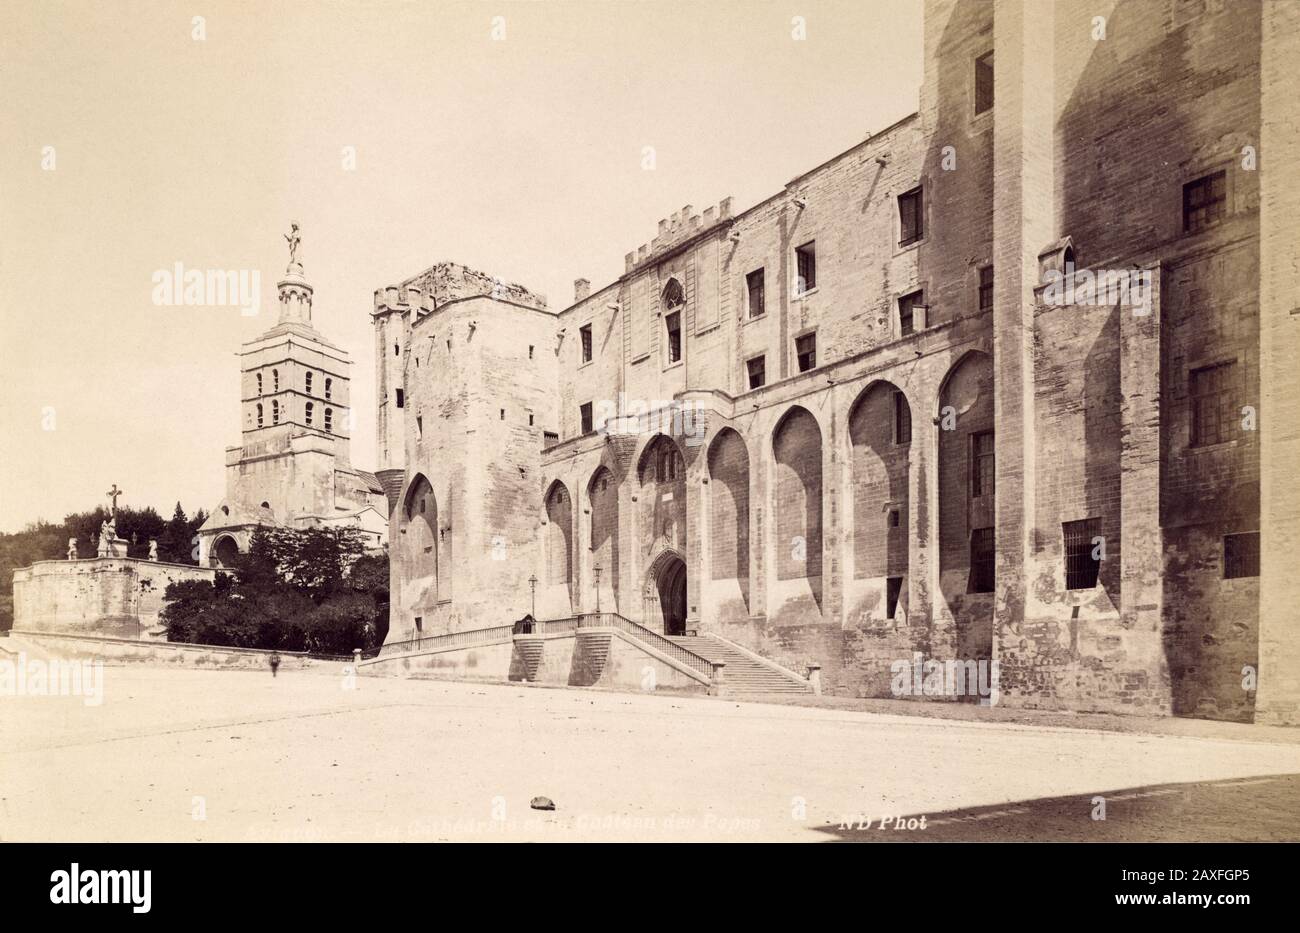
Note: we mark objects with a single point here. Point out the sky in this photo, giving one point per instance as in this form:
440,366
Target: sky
510,137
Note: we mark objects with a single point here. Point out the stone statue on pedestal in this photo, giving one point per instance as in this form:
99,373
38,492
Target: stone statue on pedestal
72,549
294,241
153,549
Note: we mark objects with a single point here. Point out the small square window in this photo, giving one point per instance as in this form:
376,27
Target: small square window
584,414
984,83
1241,555
1081,566
911,224
585,333
757,372
907,306
1204,201
986,288
754,283
806,349
673,322
806,261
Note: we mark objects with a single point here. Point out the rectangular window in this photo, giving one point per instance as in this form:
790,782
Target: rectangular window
981,464
893,587
1081,566
911,226
1212,408
754,282
805,349
419,624
1204,201
907,306
419,425
585,333
902,419
1241,555
986,288
982,561
806,260
674,324
584,414
984,83
401,399
757,372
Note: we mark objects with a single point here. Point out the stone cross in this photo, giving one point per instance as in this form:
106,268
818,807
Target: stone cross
113,494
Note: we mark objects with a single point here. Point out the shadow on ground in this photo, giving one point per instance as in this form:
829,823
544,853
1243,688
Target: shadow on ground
1252,809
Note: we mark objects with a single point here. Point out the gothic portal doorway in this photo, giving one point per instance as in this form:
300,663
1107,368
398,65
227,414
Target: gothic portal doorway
670,581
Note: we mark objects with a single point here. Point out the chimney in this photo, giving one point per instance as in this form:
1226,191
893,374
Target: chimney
581,289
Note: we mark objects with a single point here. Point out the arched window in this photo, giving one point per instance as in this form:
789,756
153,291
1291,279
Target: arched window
259,414
329,384
308,414
309,382
674,296
275,380
259,383
329,420
275,412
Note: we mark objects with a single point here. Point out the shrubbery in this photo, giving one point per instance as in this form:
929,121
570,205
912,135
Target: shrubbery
311,590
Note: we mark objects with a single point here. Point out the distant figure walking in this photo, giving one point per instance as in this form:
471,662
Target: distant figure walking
275,662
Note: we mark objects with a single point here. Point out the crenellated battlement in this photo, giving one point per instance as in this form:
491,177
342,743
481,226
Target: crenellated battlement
677,228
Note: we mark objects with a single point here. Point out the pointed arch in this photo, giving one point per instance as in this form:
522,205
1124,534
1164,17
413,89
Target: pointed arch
966,475
880,441
797,455
728,464
602,495
673,295
559,534
661,479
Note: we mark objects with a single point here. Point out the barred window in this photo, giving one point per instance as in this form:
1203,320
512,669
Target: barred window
329,421
585,333
982,555
902,419
982,464
1212,407
308,380
259,414
907,306
806,259
1241,555
674,324
911,226
1081,567
307,411
986,288
805,349
756,286
1203,201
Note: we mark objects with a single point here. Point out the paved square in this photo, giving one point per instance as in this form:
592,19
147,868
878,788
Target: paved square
207,755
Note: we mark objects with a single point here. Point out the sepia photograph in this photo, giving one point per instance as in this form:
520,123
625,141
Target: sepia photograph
650,422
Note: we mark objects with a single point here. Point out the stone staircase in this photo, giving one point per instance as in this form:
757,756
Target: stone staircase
743,676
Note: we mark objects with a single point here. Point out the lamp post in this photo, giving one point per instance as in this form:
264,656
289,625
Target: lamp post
532,584
596,570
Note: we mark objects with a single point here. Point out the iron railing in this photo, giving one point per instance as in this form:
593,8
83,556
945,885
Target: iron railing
651,638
